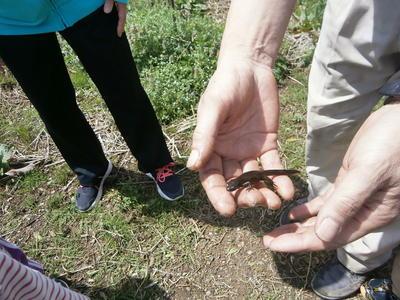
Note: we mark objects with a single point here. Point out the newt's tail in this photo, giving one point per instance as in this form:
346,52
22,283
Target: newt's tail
277,172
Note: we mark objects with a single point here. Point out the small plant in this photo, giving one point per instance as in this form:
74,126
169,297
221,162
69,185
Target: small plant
5,155
309,14
281,69
188,7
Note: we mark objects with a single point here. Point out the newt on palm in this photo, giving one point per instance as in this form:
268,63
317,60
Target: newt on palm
250,178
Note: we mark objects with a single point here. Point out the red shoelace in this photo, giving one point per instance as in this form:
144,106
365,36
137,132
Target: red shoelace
164,172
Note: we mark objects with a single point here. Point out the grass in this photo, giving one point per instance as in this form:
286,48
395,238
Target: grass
134,245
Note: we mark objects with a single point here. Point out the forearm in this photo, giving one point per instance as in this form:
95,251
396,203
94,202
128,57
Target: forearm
255,29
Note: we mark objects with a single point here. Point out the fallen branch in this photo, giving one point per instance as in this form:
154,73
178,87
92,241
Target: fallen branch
23,170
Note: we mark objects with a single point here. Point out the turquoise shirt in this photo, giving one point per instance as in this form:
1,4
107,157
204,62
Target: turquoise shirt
18,17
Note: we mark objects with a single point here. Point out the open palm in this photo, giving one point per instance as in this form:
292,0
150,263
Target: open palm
237,128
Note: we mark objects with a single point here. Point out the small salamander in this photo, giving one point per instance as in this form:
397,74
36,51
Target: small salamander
250,178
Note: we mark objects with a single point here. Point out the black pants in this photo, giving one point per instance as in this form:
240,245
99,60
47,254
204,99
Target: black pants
37,63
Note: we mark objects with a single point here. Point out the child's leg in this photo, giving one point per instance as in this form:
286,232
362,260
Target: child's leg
37,63
109,62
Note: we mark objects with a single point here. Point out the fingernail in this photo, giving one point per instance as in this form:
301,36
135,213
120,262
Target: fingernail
194,156
328,229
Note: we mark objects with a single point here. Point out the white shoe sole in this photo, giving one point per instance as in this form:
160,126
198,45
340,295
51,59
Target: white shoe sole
100,192
160,192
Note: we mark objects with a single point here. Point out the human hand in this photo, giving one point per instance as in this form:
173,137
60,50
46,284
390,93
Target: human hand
364,197
237,124
122,12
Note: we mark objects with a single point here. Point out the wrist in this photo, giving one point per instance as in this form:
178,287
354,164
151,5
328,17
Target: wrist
254,55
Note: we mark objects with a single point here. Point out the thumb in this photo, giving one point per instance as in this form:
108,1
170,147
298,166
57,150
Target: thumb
108,6
350,192
209,119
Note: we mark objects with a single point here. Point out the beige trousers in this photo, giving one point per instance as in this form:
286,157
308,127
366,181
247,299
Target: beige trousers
358,51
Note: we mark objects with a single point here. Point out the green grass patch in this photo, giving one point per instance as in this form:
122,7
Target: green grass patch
61,175
293,120
176,57
55,201
32,181
7,81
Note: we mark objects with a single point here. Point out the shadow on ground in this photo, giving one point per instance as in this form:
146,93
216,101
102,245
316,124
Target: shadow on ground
294,269
128,289
137,187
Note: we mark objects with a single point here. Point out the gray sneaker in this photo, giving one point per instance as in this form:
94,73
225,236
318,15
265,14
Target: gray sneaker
87,196
378,289
334,281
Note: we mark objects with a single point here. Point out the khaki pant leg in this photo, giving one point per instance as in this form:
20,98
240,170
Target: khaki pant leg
358,51
396,275
372,250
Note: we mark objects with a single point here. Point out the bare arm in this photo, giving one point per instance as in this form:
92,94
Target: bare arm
255,29
238,114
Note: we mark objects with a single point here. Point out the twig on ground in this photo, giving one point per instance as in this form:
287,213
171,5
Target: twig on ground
21,171
308,270
295,80
74,271
66,188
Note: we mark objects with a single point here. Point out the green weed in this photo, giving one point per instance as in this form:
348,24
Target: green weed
5,155
309,14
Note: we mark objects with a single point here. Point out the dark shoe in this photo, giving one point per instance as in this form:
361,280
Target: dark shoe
378,289
334,281
169,186
87,196
61,282
284,218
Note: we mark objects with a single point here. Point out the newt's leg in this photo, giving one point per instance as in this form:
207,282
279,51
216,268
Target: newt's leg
248,185
270,184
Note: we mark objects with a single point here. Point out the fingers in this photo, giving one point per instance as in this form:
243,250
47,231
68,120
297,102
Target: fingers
108,6
259,195
231,168
214,184
307,210
272,200
350,192
296,242
122,12
210,116
271,160
295,238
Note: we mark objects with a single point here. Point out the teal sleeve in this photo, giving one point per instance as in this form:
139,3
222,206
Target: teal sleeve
122,1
